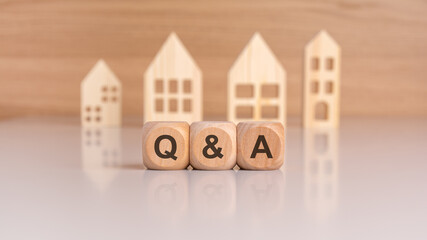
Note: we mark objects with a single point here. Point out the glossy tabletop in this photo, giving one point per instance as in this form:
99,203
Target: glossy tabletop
366,180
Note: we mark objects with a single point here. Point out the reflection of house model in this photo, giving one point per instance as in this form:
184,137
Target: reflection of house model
101,155
173,85
257,85
321,172
321,82
101,97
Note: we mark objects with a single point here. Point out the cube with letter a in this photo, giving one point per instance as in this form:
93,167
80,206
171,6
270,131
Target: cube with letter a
165,145
260,145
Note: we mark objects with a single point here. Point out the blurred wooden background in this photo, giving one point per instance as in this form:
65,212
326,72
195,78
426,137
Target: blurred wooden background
47,47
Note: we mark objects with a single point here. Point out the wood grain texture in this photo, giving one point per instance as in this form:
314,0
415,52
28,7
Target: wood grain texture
257,67
101,98
213,145
322,72
171,153
260,145
47,48
164,84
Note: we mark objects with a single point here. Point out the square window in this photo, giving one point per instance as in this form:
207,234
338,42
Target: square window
187,105
187,85
159,86
329,87
173,86
173,105
269,112
244,90
159,105
329,63
270,90
244,112
314,86
315,63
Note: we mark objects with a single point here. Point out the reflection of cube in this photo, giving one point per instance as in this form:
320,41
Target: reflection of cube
322,82
213,145
260,194
165,145
213,193
256,85
166,194
173,85
101,97
260,145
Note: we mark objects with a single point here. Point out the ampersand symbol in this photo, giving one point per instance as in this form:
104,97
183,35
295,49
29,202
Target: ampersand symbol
211,145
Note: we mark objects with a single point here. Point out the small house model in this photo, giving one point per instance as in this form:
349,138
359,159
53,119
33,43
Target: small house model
101,98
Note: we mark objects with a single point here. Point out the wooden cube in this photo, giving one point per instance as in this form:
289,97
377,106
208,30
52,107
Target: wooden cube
260,145
213,145
165,145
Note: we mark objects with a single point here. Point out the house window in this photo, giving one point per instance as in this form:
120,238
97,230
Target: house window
269,90
244,91
92,113
329,64
321,111
159,105
250,93
173,86
158,87
109,94
314,86
187,85
173,105
187,105
329,87
269,112
244,112
314,63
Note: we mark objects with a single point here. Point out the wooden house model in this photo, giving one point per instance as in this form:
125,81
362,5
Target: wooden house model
101,102
257,85
173,85
322,63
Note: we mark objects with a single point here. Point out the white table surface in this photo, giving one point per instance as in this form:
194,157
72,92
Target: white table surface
367,180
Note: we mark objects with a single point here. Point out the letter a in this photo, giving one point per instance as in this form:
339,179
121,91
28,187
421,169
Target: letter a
266,149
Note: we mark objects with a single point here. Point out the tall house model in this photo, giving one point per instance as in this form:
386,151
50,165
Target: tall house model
257,85
101,98
322,63
173,85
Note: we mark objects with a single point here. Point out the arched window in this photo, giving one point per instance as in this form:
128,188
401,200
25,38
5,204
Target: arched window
321,111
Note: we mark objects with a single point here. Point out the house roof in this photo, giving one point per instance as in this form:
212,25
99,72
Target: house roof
101,72
257,60
172,58
323,40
